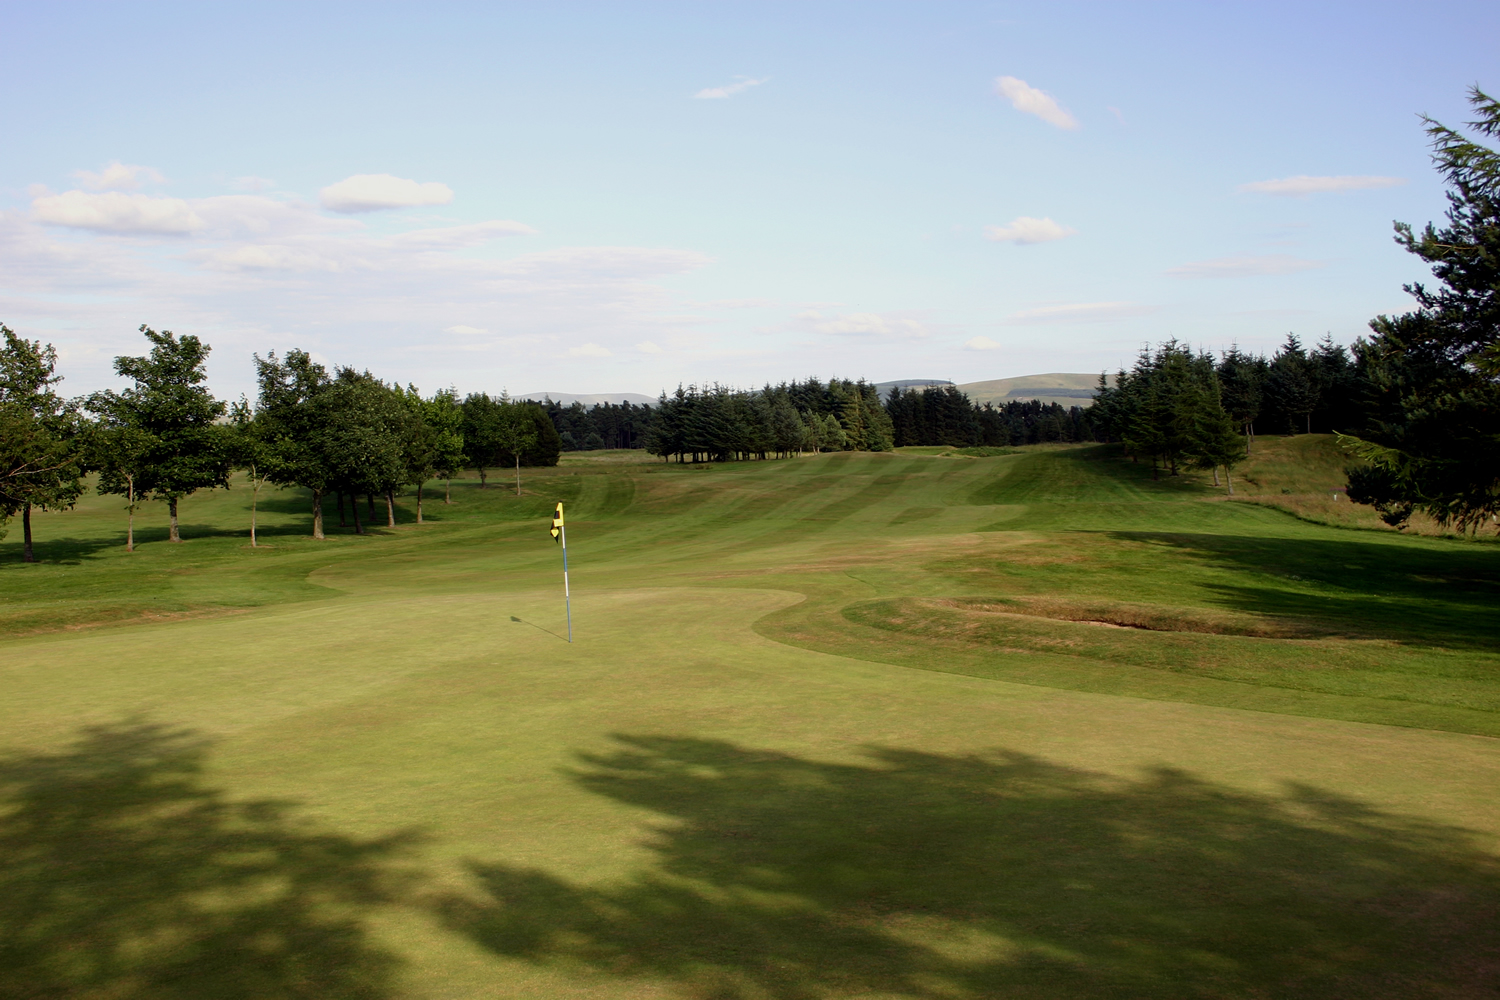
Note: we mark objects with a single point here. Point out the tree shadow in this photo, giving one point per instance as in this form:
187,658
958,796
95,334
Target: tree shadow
928,876
122,875
1424,595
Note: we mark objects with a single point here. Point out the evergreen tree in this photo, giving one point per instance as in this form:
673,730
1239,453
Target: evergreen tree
1292,386
1432,441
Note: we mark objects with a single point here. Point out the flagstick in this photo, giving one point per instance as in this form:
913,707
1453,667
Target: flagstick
567,597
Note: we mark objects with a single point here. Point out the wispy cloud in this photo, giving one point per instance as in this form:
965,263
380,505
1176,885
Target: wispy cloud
1245,266
1079,312
1302,185
1026,98
1025,230
376,192
590,350
740,85
118,177
647,347
981,344
116,212
866,324
251,272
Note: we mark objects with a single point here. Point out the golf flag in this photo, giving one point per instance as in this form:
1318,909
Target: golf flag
557,523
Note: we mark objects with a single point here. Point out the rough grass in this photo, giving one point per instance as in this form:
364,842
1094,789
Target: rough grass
836,727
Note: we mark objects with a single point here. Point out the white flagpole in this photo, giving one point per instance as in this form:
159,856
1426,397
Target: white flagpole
567,597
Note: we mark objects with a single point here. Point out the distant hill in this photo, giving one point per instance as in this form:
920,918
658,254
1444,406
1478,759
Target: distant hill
1063,388
886,388
590,399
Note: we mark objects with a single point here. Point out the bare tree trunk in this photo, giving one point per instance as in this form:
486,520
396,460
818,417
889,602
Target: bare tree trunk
27,555
390,508
357,529
172,535
518,475
343,521
369,508
1309,422
318,513
419,503
130,513
254,499
447,490
1228,480
482,477
1216,475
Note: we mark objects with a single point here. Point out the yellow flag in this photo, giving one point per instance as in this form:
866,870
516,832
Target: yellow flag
557,523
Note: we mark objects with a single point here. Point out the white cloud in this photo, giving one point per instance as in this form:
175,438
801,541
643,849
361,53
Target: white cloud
646,347
604,262
1026,230
590,351
269,257
374,192
1079,312
458,237
114,212
1032,101
1245,266
743,84
464,331
981,344
1303,185
867,325
118,177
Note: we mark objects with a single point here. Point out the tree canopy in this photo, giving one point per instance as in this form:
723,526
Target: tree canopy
1432,442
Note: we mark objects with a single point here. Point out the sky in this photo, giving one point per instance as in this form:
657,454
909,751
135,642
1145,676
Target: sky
622,197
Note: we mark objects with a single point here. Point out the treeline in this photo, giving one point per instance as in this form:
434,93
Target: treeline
603,425
716,423
344,435
944,415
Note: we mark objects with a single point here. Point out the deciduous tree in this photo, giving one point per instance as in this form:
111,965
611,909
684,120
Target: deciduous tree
177,415
39,455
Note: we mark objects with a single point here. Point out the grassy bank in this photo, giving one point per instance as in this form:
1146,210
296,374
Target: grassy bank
913,725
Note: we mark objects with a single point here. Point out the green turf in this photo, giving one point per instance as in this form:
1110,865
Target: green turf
370,767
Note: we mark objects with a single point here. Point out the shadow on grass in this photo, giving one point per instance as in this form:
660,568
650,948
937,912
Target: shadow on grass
928,876
1427,595
522,621
123,875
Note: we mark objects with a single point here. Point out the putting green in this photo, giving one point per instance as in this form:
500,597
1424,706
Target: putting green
734,783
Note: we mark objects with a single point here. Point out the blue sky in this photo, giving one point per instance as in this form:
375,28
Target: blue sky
618,197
